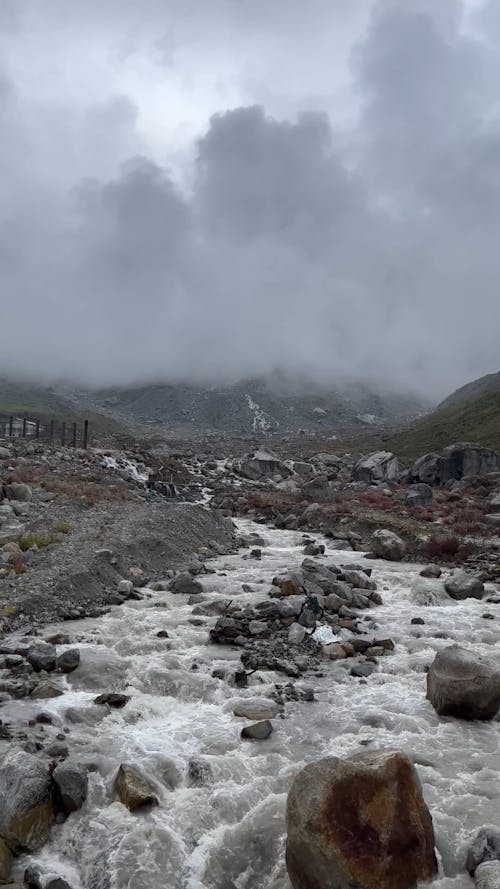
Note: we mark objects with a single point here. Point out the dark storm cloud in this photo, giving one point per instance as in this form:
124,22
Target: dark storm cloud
365,250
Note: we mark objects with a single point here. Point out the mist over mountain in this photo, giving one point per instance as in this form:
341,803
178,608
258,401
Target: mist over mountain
206,194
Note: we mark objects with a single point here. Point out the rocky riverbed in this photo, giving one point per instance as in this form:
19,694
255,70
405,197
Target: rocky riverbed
213,745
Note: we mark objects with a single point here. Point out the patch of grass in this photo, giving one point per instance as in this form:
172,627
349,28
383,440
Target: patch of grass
26,541
63,527
476,420
442,546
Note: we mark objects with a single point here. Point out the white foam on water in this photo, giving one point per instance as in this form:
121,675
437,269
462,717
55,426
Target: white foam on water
229,833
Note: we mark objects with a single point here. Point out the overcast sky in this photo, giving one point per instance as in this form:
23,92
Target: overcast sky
208,190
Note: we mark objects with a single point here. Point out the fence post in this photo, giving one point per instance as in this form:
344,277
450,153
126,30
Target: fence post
85,434
24,427
11,426
63,434
74,436
37,430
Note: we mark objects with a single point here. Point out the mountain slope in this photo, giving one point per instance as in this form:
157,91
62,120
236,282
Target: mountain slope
475,420
481,386
44,403
259,405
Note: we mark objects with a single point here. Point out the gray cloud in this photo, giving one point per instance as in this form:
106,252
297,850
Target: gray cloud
294,239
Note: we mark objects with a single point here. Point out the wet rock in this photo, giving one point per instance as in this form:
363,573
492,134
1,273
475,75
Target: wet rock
256,553
125,587
417,621
134,789
46,690
487,875
462,684
431,571
256,708
359,822
198,772
42,656
58,639
68,660
462,585
32,878
57,883
26,812
71,784
314,549
387,545
186,584
484,847
162,634
57,750
112,699
259,731
5,861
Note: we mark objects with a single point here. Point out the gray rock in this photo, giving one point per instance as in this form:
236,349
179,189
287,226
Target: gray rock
487,875
296,634
71,783
186,584
256,708
112,699
431,571
462,684
455,462
57,883
380,466
41,656
199,772
26,812
386,544
68,660
462,585
259,731
484,847
262,465
126,587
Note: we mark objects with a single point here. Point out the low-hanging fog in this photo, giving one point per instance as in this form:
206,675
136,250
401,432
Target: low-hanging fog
205,191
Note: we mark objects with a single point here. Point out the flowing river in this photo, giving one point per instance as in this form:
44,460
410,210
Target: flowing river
228,832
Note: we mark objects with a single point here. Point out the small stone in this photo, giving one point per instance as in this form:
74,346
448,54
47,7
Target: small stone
431,571
134,789
485,847
256,708
41,656
417,621
296,634
112,699
125,587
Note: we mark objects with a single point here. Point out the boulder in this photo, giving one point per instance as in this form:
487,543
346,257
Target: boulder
185,583
112,699
41,656
454,462
261,465
126,587
484,847
419,495
57,883
259,731
462,585
487,875
71,783
463,684
381,466
387,545
68,661
134,789
26,812
256,708
359,822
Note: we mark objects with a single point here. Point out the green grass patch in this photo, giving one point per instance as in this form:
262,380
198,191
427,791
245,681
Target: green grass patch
63,527
26,541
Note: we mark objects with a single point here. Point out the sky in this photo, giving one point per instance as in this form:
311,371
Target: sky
205,191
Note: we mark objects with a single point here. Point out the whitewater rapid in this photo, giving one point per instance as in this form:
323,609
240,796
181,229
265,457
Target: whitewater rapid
228,833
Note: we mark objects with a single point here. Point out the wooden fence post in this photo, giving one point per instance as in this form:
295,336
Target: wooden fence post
24,427
85,434
11,426
37,430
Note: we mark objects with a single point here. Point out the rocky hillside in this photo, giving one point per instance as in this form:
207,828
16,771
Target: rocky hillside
476,389
260,405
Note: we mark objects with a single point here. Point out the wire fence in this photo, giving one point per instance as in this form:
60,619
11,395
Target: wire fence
75,435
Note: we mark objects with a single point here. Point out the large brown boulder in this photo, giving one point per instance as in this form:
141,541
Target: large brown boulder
359,822
463,684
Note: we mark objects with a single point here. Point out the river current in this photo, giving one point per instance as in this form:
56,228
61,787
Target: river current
221,826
